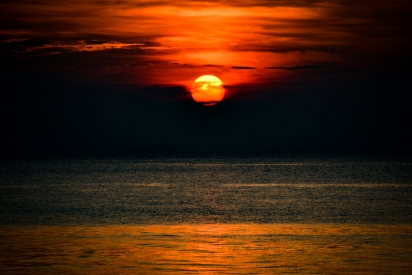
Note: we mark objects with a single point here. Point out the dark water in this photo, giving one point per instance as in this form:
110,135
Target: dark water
206,190
207,215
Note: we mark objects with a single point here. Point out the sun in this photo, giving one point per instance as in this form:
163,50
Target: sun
208,90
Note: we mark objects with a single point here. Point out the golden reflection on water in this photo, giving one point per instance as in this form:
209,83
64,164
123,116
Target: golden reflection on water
207,249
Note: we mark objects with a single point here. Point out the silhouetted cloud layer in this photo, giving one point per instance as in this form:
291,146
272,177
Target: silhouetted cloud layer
38,47
299,67
281,26
243,68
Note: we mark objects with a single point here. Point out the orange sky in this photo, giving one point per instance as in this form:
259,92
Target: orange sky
230,35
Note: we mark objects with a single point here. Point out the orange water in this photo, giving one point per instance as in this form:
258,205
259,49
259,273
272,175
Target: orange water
207,249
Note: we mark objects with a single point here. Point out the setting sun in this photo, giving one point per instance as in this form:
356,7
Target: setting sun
208,90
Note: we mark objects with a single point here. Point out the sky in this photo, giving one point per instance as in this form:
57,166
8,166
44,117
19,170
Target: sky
114,77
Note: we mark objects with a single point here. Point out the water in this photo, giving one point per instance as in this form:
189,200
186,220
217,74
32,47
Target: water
307,214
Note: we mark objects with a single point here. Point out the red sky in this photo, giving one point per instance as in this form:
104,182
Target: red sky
256,34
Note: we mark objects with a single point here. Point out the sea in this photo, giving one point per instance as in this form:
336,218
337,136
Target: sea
207,214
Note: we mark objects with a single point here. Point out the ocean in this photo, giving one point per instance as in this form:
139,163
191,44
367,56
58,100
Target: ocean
286,214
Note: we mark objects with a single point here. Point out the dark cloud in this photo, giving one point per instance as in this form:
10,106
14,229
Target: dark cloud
43,47
300,67
243,68
94,42
211,65
21,45
167,92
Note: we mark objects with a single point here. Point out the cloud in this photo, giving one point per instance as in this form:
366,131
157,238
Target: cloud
357,31
212,65
167,92
299,67
243,68
282,26
28,46
20,45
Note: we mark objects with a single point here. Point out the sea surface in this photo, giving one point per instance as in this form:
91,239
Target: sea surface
288,214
